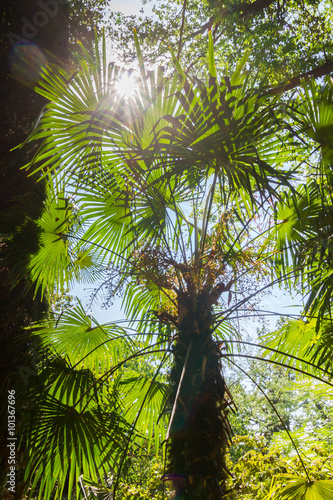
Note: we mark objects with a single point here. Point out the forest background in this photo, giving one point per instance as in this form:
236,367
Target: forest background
288,42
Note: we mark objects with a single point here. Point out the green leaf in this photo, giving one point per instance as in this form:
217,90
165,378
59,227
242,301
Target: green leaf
291,487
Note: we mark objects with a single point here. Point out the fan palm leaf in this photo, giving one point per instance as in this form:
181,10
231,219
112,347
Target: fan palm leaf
83,341
69,437
92,402
313,118
291,487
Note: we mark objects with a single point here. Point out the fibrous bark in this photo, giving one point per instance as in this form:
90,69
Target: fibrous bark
199,427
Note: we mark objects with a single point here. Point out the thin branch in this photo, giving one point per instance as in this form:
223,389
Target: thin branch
206,27
280,352
267,360
264,314
180,240
96,245
278,415
246,299
245,9
207,213
296,80
181,30
245,227
322,465
100,380
137,418
178,390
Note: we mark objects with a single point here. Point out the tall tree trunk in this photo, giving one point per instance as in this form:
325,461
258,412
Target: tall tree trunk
199,427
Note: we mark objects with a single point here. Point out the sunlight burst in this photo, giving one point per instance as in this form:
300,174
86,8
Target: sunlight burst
126,85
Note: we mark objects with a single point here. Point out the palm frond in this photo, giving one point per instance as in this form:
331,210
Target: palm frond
83,341
313,117
225,128
150,397
292,487
68,432
50,266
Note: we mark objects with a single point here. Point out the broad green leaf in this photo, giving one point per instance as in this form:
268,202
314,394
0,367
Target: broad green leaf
291,487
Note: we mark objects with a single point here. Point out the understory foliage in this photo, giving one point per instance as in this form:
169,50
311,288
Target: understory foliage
261,447
185,198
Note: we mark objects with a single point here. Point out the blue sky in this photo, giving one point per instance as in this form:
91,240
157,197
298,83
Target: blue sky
128,6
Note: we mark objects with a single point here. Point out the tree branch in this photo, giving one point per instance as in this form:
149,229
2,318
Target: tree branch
245,9
181,30
295,81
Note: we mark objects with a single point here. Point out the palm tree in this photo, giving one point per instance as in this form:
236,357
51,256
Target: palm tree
154,195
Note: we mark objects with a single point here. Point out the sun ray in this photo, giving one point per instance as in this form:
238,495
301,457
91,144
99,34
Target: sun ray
126,84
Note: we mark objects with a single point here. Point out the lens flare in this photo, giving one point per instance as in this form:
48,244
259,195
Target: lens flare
126,85
27,63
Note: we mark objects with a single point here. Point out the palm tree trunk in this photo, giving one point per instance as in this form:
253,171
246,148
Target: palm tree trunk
199,428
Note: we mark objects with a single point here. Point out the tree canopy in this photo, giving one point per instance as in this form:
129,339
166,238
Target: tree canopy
286,39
